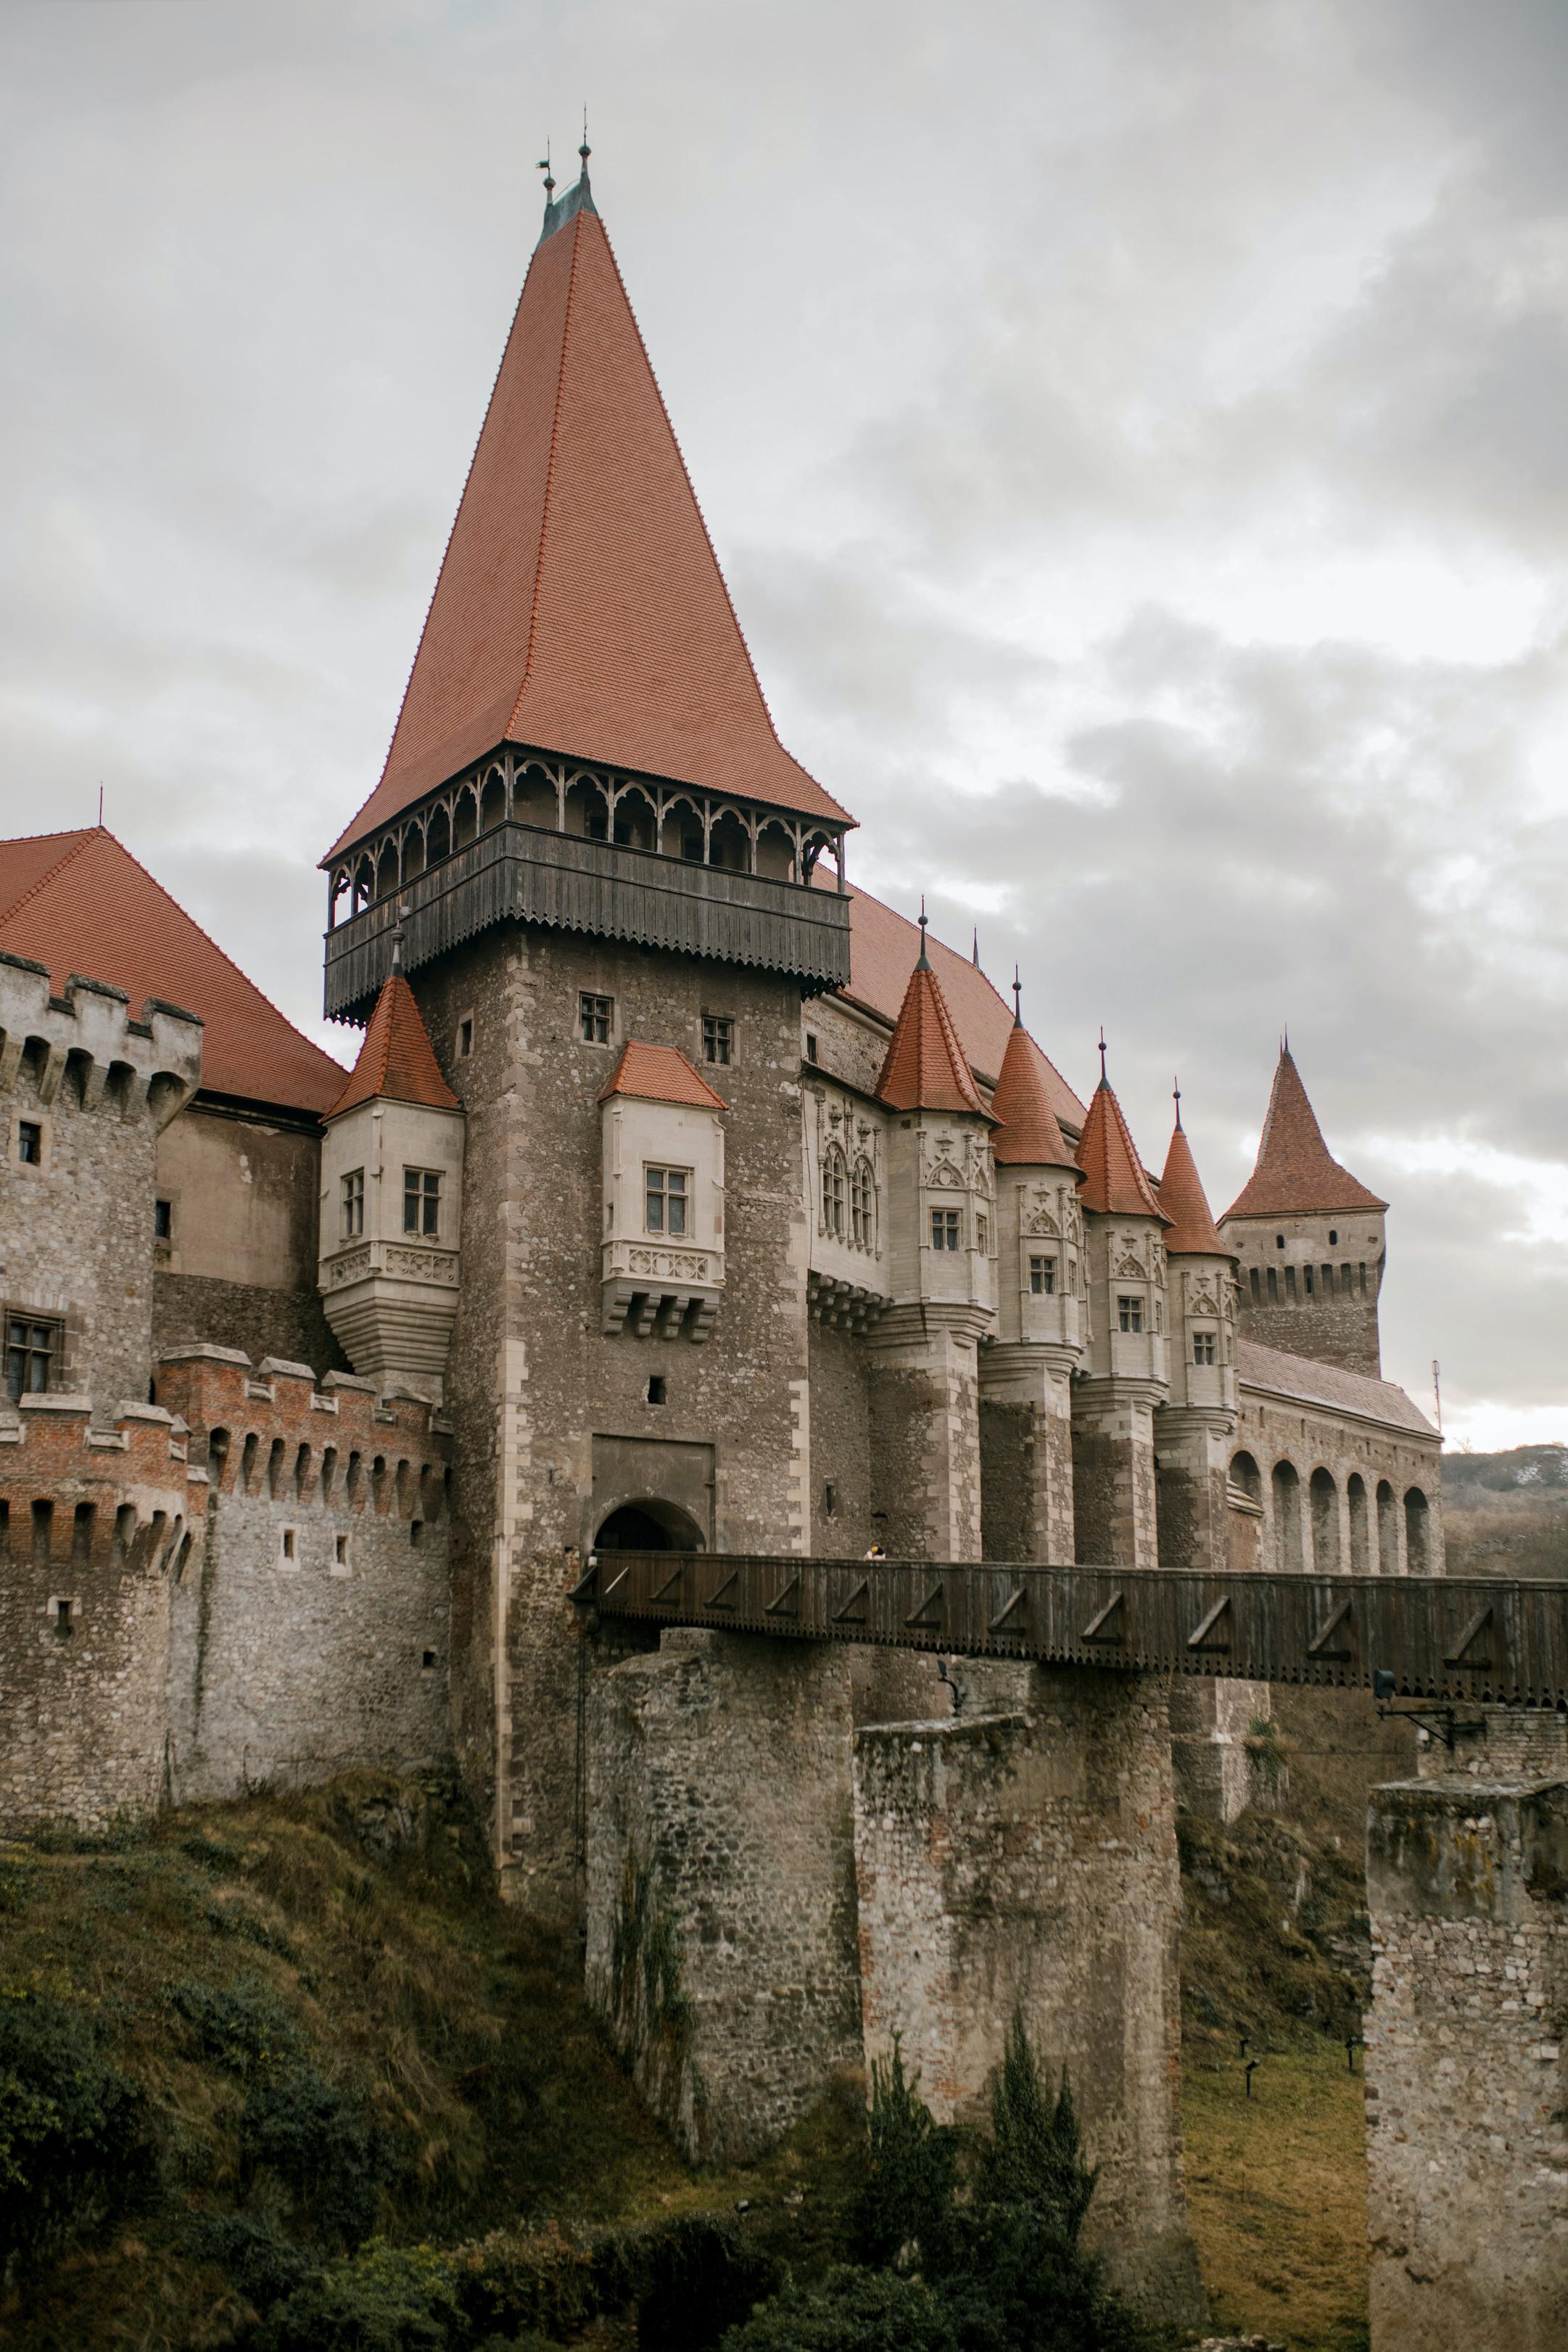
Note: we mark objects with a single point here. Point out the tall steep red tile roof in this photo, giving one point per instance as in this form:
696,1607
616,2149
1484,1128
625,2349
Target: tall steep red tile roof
1029,1135
1183,1200
925,1067
660,1074
883,949
1294,1174
581,607
397,1061
1115,1184
80,902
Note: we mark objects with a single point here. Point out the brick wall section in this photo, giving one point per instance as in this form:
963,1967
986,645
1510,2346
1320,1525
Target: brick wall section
1026,1862
720,1889
535,1381
249,1317
84,1606
288,1663
1465,2086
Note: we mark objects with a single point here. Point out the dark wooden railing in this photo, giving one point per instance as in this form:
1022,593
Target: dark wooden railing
1443,1637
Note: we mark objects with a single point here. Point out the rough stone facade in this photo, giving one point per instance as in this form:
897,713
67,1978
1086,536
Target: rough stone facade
720,1882
1465,2084
1025,1863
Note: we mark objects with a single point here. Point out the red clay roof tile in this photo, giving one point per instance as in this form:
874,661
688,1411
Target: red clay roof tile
1294,1174
397,1061
925,1067
581,607
80,902
1116,1185
660,1074
1029,1136
1182,1197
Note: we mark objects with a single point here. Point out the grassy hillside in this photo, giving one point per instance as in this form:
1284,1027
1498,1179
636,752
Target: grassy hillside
234,2042
1507,1514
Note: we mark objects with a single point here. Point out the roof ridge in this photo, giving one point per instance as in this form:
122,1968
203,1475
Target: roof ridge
83,836
548,498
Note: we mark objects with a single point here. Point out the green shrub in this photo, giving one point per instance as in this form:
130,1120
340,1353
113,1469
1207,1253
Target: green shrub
73,2129
1035,2156
385,2299
319,2144
695,2279
255,2256
243,2029
906,2198
850,2311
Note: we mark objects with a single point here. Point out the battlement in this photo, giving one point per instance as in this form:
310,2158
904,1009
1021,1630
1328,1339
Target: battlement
118,1495
85,1047
273,1430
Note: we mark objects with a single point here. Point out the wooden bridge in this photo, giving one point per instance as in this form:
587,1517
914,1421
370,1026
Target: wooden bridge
1504,1640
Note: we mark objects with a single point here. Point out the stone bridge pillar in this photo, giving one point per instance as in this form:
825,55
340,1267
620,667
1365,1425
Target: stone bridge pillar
1465,2087
720,1863
1026,1862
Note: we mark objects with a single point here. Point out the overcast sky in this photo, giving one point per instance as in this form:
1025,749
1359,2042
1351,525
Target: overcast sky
1134,434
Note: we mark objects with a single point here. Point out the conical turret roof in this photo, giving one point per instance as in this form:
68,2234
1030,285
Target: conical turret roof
1028,1135
581,607
1294,1174
1115,1184
397,1061
925,1067
1182,1197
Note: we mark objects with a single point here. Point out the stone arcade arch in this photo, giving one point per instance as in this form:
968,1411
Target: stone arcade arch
1325,1524
1287,1485
1417,1532
1360,1525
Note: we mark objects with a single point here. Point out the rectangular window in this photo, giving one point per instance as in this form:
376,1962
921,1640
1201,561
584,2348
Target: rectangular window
810,1047
596,1015
1042,1276
1203,1347
945,1229
30,1142
353,1204
1130,1314
465,1039
30,1352
666,1198
163,1220
1307,1277
1257,1293
982,1235
422,1202
718,1035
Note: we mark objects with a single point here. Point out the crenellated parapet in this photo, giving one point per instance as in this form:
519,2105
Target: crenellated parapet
86,1048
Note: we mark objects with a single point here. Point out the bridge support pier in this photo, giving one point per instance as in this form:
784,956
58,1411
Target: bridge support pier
1467,2090
1026,1862
720,1899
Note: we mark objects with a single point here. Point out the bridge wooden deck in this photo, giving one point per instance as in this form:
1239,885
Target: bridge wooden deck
1468,1639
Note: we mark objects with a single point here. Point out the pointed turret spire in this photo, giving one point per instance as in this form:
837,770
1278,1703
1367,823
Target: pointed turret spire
579,607
1182,1197
925,1068
397,1061
1115,1184
1294,1173
1028,1135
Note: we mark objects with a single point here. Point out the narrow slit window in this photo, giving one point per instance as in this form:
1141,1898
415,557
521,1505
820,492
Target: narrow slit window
163,1220
352,1198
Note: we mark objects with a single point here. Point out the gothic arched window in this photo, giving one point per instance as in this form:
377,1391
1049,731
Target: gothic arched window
833,1191
863,1206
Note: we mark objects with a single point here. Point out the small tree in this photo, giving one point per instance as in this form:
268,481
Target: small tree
1036,2155
907,2196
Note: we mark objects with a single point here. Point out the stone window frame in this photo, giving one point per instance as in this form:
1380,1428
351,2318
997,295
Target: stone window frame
948,1231
863,1203
834,1192
681,1195
36,1319
352,1205
724,1032
1129,1311
602,1006
426,1196
37,1118
1041,1275
1205,1347
288,1548
342,1561
463,1034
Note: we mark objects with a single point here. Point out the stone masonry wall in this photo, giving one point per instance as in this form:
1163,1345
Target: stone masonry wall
95,1524
1465,2086
249,1317
1026,1863
1114,1500
535,1381
720,1882
310,1630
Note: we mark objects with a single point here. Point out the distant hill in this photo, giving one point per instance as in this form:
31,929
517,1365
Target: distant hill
1507,1514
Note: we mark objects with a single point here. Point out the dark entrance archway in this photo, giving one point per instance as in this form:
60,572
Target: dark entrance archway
648,1525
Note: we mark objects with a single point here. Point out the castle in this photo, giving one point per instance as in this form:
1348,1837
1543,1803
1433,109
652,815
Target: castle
681,1194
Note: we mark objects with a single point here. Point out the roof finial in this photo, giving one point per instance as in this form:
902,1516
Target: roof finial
1285,1038
1018,999
1176,1094
922,963
1104,1080
584,150
974,951
549,177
